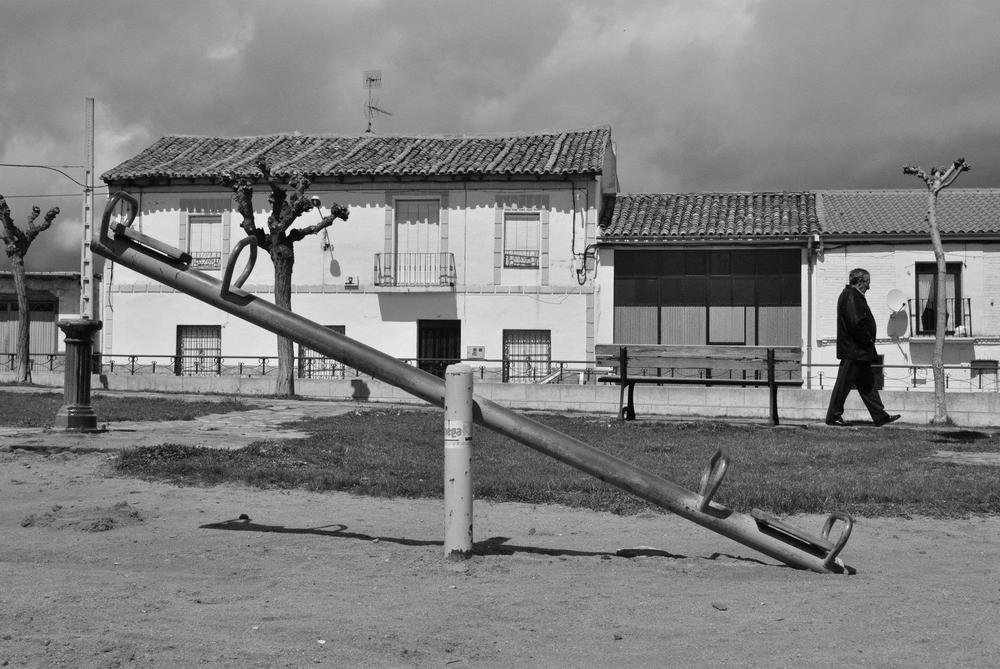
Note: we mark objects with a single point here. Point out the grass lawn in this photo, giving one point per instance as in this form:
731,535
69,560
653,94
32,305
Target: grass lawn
38,409
399,453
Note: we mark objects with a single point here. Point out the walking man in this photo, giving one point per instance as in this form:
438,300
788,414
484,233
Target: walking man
856,352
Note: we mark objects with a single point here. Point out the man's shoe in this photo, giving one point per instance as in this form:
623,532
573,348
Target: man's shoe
888,419
838,422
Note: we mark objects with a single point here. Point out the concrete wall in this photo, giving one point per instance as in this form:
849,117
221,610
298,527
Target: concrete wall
794,405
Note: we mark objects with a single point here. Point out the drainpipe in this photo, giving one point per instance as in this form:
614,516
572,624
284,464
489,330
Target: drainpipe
811,253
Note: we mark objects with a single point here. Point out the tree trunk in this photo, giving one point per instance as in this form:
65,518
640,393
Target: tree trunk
23,345
937,361
284,259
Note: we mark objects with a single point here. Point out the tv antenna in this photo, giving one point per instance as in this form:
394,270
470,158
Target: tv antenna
373,80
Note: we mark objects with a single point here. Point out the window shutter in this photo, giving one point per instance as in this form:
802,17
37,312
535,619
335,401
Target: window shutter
498,241
543,251
443,223
182,233
226,232
389,222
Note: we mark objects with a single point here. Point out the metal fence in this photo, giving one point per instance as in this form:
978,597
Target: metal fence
982,375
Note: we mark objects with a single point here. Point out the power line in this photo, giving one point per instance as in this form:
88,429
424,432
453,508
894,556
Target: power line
48,167
11,197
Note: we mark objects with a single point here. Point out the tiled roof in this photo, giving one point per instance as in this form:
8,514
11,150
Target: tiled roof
709,216
186,157
904,212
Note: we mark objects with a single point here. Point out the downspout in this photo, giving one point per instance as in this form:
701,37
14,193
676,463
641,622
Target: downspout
812,247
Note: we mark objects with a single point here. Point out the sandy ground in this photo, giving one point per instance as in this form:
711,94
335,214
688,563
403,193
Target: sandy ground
98,571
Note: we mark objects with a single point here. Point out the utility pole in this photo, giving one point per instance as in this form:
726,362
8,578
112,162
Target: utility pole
938,179
86,255
77,414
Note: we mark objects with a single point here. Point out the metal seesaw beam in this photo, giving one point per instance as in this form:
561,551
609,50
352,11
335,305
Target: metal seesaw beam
763,533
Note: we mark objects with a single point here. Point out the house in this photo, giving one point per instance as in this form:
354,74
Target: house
766,269
456,247
886,232
52,296
705,268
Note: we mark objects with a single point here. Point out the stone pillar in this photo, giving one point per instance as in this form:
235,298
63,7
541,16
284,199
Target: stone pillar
76,413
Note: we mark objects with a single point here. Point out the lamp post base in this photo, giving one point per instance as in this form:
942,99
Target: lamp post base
77,414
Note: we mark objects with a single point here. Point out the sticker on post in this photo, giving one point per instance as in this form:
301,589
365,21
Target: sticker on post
457,430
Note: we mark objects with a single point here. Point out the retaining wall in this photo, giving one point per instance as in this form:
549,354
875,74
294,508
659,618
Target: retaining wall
970,409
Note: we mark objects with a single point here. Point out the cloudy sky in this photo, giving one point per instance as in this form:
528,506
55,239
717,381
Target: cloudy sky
706,95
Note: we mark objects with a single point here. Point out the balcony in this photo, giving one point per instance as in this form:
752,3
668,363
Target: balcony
206,259
958,317
400,270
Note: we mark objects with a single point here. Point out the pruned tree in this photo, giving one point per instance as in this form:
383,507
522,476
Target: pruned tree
16,243
288,202
938,179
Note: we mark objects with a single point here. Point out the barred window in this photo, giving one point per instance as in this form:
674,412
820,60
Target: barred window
527,355
199,350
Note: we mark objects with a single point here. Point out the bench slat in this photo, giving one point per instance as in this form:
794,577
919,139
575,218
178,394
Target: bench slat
637,363
661,351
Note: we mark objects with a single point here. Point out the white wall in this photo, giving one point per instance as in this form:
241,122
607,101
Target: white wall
892,267
143,315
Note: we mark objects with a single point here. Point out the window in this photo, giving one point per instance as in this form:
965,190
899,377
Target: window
527,355
313,365
199,350
956,311
205,240
750,296
415,257
521,239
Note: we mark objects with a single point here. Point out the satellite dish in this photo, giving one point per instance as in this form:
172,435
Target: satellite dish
896,300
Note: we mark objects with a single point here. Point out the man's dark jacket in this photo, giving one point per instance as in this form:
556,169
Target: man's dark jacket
855,326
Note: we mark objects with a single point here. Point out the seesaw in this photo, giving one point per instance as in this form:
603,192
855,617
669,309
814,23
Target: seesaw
758,530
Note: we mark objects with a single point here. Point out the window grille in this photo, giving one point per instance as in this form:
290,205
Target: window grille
199,350
527,355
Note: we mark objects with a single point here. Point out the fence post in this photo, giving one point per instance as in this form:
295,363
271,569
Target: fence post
458,461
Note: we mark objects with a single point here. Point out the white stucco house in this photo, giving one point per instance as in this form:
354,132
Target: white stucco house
52,296
456,247
766,269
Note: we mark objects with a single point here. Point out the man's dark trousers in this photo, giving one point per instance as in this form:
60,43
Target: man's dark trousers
859,373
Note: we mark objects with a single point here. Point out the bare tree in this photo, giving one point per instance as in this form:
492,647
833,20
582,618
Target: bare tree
938,179
288,202
16,242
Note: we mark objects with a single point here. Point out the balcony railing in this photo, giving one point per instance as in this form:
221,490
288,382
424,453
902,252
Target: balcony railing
206,259
414,269
958,317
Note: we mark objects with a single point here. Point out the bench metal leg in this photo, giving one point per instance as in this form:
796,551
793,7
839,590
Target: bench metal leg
629,411
772,386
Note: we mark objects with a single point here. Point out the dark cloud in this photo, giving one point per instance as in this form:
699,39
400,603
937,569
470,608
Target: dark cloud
726,95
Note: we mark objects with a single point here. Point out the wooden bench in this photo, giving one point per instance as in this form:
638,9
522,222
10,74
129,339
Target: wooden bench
754,366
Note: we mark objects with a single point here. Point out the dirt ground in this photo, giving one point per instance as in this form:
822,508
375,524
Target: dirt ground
98,571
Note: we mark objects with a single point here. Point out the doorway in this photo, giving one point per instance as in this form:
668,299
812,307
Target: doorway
438,345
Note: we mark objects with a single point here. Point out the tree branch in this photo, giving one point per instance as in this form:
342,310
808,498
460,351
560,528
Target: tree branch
243,194
34,230
336,211
276,198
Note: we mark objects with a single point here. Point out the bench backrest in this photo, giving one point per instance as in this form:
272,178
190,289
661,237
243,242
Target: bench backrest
650,359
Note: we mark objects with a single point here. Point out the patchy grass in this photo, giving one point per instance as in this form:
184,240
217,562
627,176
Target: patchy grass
396,453
38,409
